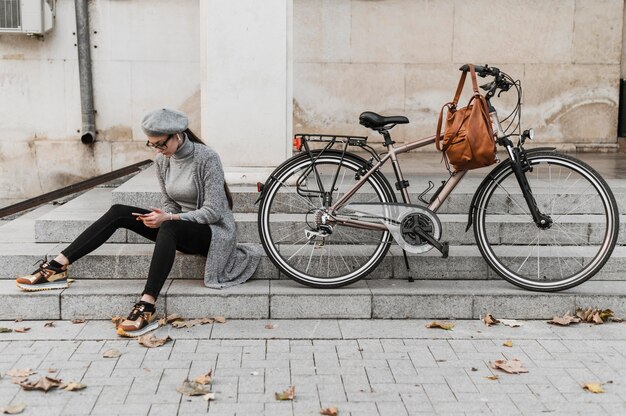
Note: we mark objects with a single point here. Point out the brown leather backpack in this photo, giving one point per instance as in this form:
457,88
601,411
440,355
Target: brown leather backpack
468,140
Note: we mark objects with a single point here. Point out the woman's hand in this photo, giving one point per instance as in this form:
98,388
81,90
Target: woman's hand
155,218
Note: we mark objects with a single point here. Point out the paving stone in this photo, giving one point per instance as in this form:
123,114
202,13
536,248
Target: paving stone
285,329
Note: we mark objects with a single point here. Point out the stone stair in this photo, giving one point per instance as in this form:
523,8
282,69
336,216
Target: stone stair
109,280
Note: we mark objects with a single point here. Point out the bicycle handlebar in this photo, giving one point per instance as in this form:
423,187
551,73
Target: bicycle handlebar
482,70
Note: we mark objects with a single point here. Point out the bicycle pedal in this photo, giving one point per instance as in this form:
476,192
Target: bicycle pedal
444,249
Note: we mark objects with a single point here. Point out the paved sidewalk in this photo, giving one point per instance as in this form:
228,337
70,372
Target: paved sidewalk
362,367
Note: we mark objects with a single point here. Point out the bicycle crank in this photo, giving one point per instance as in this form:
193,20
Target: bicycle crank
415,228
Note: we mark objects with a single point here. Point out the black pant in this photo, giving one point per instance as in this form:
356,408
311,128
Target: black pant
186,236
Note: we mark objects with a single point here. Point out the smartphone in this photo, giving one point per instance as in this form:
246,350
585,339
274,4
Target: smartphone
139,216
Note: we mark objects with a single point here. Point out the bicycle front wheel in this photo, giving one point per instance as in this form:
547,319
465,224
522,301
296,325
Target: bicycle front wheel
580,239
295,233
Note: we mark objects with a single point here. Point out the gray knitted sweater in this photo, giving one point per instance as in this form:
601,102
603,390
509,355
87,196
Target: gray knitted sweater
227,262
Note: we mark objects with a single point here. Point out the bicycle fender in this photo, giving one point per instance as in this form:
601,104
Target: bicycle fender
490,177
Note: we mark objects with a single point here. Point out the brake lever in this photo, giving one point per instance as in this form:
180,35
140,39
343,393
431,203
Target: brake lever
488,86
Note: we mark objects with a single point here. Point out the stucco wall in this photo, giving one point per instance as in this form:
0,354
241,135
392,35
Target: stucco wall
389,56
402,57
145,55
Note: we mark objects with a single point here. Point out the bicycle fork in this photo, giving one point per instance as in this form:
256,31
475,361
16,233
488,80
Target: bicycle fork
520,165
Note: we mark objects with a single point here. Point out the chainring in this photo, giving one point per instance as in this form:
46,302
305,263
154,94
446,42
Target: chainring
419,218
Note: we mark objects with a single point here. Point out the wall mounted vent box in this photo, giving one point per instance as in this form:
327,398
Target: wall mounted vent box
29,17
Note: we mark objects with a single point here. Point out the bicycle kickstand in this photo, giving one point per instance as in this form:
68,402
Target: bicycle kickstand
408,269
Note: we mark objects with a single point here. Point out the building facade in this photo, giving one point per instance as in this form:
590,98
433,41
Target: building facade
251,73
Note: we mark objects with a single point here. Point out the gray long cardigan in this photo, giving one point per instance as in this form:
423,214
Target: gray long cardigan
227,262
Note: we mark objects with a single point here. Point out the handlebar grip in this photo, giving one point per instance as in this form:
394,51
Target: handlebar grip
482,70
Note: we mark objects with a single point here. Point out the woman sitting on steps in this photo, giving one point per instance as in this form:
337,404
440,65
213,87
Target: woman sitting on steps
196,218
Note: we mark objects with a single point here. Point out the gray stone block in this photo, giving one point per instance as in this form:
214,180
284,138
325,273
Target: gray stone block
421,299
505,300
28,305
22,258
464,262
601,295
292,300
190,298
65,230
102,299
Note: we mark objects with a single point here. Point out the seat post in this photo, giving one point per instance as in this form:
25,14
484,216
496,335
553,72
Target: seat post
387,136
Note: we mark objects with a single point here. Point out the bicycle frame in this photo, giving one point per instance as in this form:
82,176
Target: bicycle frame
392,153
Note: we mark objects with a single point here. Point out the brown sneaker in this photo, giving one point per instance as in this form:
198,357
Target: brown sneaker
141,320
46,277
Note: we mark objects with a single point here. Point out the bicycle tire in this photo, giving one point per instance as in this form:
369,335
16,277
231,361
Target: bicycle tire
580,240
343,257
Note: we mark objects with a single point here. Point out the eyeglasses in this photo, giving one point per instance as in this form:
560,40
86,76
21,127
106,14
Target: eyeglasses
159,146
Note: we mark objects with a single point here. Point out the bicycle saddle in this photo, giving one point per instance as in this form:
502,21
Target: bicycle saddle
375,121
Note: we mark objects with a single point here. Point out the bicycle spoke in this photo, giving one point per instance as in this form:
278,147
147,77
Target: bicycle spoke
513,200
346,252
571,194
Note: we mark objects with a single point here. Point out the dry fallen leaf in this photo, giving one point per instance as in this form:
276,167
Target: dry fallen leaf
117,320
44,383
443,325
22,329
168,319
209,396
492,377
510,366
13,410
219,319
73,386
52,370
508,343
205,378
191,388
192,322
182,324
78,321
595,316
511,322
329,411
112,353
490,320
3,329
564,320
270,326
593,387
20,319
150,341
49,324
15,373
287,394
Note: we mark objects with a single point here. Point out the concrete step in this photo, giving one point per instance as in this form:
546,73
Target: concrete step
65,224
143,191
131,261
102,299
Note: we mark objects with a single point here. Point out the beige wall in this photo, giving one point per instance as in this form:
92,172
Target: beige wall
402,56
389,56
145,55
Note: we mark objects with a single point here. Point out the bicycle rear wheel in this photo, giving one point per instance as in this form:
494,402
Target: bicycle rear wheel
293,207
580,240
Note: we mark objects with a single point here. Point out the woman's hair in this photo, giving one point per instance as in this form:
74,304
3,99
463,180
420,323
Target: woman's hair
192,136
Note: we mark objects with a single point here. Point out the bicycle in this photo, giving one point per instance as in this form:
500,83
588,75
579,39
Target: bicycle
347,213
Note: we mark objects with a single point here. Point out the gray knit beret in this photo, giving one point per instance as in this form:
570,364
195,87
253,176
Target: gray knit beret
163,122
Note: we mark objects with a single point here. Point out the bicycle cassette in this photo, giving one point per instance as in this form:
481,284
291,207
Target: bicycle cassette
405,223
